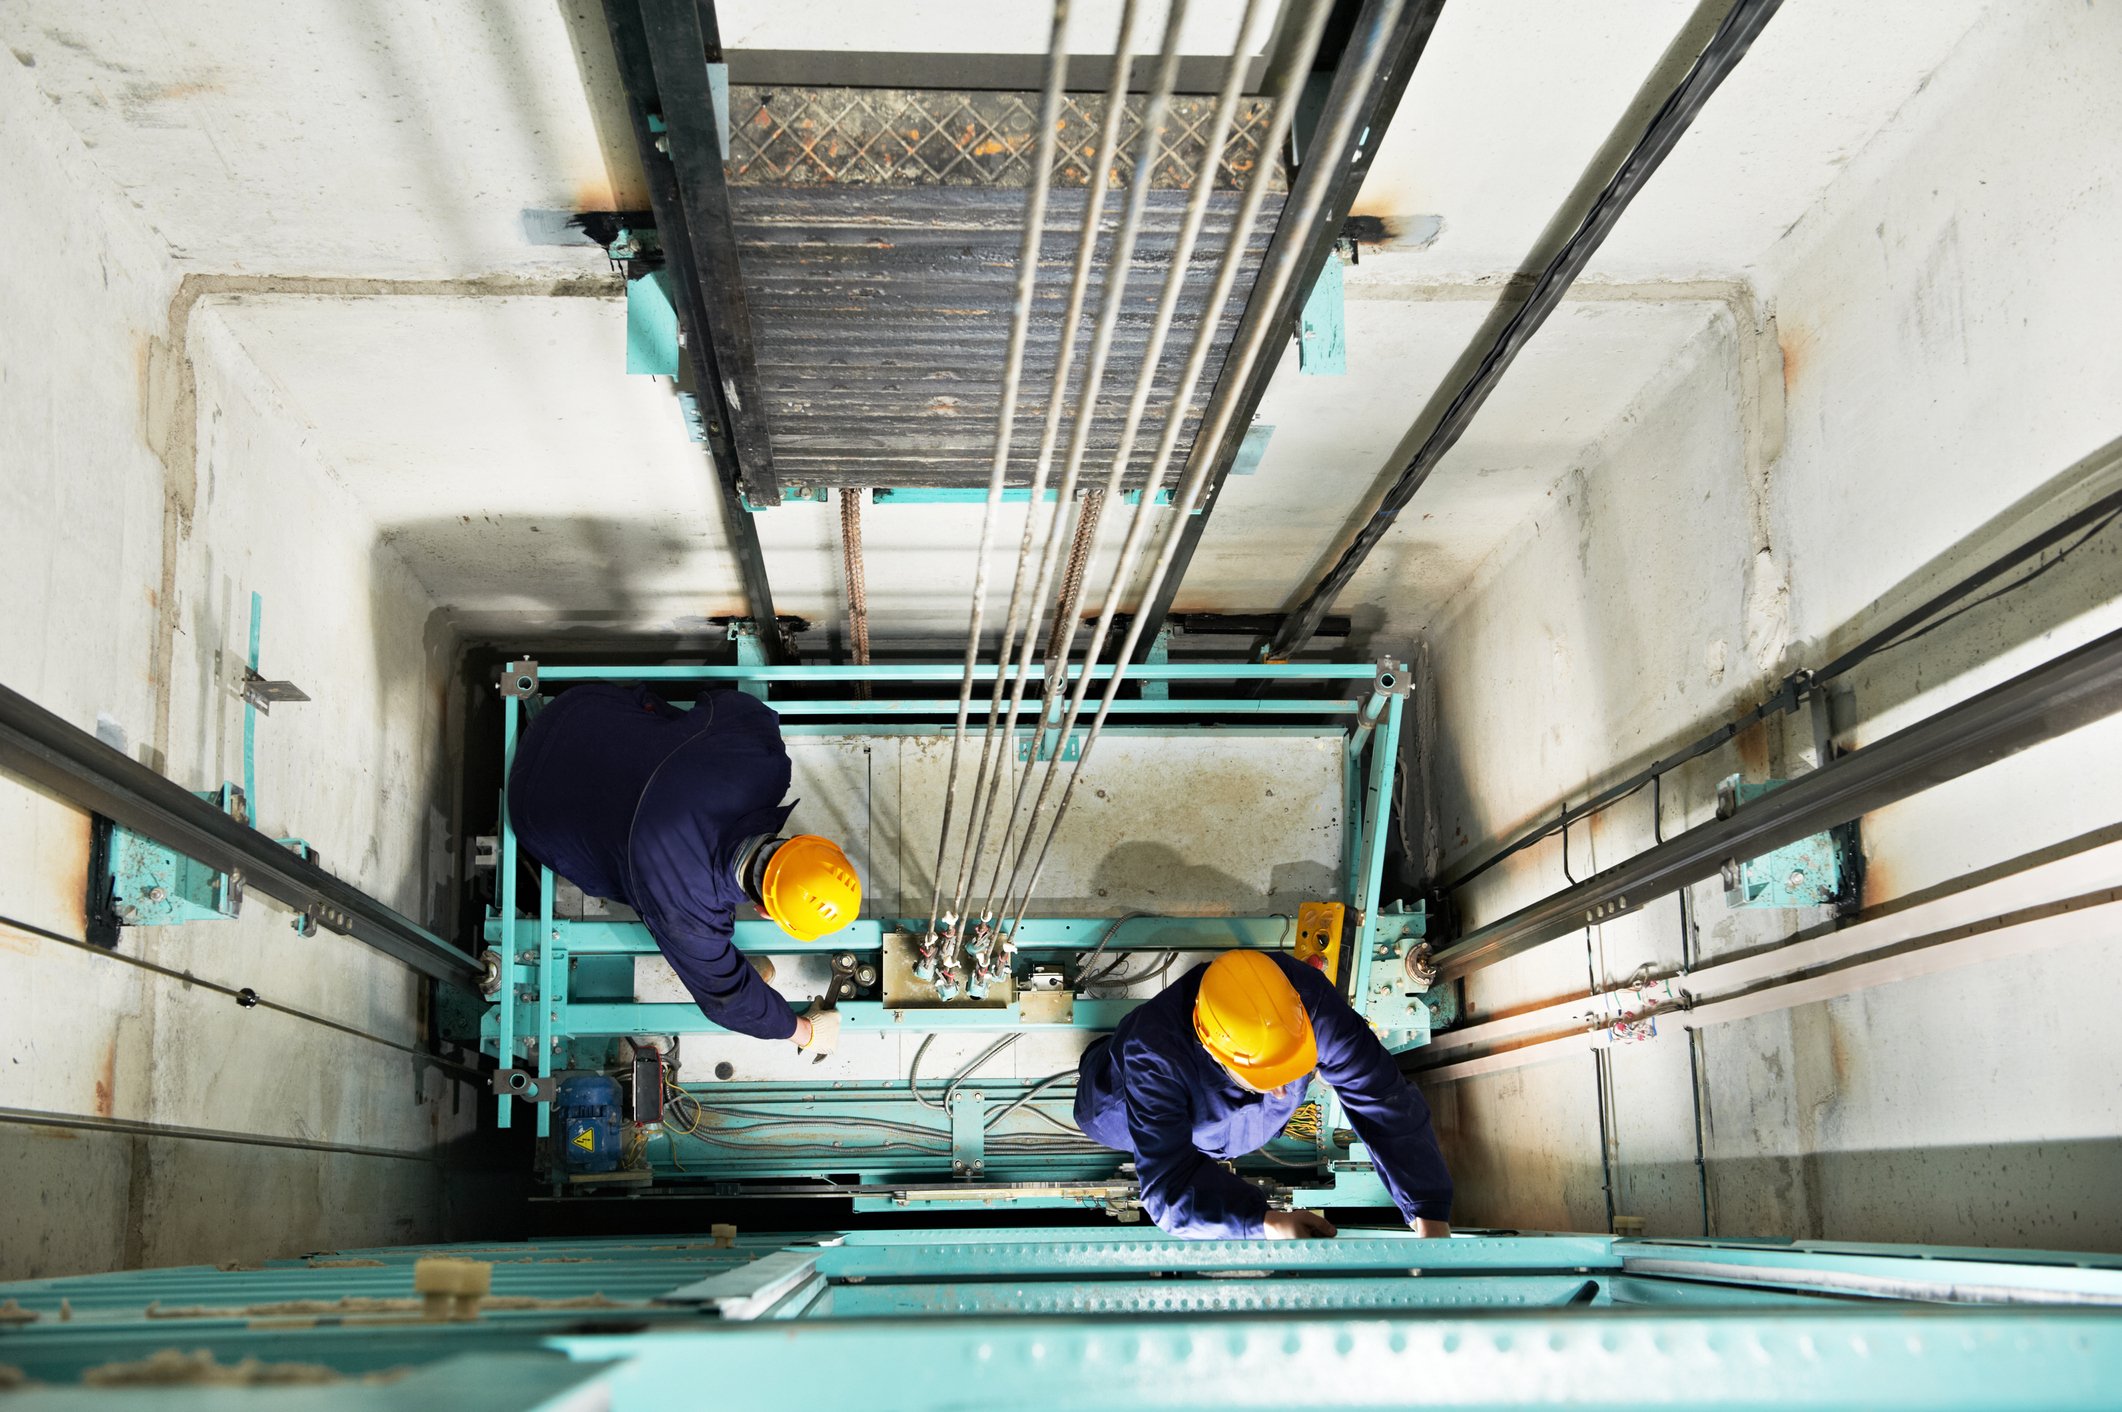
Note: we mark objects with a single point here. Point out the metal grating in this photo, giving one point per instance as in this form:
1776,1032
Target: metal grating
812,137
881,317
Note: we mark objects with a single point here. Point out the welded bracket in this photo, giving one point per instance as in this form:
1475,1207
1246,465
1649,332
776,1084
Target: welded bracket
520,678
523,1084
968,1134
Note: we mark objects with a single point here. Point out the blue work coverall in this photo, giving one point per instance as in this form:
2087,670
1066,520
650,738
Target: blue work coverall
1152,1090
631,799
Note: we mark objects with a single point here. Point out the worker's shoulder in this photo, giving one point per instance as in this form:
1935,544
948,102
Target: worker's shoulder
736,713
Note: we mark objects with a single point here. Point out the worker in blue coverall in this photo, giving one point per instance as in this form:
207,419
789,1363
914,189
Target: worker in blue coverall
678,815
1214,1067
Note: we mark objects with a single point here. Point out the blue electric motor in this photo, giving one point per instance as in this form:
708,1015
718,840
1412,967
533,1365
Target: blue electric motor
586,1124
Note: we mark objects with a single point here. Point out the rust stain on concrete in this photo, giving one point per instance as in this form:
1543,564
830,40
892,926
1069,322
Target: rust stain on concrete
107,1079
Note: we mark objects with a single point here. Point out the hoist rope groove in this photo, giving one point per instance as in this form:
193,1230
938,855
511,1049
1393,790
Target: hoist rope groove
1012,375
1313,188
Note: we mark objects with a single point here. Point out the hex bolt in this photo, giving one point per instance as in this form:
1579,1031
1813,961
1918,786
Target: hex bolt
157,894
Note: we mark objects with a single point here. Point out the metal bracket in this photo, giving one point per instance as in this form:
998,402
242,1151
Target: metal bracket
968,1135
520,678
262,693
1394,678
523,1084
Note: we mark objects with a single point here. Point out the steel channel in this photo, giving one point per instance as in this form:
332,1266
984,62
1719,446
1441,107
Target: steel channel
47,751
2075,689
630,49
550,1000
505,1010
1725,49
950,672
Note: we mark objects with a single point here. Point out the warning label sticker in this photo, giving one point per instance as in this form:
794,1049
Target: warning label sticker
586,1140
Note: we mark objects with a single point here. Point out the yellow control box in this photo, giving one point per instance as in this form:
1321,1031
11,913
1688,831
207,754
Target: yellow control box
1319,936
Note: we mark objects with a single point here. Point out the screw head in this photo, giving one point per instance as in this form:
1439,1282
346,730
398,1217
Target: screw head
157,894
247,997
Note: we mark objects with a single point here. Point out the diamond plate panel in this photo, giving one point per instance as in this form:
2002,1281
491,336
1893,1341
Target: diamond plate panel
937,137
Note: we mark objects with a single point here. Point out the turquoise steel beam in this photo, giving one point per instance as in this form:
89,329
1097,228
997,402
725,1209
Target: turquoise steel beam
549,996
1269,933
1770,1360
511,709
950,672
611,1018
1126,706
1186,1297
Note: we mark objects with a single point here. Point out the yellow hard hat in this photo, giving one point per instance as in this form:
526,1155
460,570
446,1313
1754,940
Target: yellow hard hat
1251,1019
809,888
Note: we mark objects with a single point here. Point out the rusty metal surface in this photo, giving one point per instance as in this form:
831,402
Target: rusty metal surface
881,314
810,137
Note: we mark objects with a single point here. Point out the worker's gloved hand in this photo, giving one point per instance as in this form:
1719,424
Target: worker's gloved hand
1297,1225
818,1032
1431,1230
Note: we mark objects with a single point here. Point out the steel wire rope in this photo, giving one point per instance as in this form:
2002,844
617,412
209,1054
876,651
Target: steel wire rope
1006,415
1313,188
1064,361
1159,330
1119,262
1175,280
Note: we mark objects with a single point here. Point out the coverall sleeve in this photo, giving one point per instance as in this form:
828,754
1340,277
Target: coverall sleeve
728,990
1184,1192
1386,1110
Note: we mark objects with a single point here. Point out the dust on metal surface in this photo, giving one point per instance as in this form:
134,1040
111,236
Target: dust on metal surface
784,137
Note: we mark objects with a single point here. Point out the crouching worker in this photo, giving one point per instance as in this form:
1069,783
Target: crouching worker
678,815
1214,1067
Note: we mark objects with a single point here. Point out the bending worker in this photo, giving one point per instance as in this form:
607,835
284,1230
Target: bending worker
678,815
1213,1067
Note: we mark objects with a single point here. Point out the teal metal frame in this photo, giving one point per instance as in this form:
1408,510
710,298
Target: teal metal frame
1111,1318
563,988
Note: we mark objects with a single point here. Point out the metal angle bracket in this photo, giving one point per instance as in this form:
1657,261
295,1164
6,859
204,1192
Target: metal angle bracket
523,1084
262,692
520,678
150,885
968,1135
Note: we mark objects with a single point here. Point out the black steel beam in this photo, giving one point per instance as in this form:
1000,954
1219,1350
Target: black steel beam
45,750
1741,25
637,75
1389,81
677,33
2073,690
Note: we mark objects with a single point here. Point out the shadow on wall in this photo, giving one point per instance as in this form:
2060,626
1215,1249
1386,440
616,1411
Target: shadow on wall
1906,671
534,576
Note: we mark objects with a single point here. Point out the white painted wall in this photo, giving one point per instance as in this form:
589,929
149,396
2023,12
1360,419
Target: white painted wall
1945,314
126,576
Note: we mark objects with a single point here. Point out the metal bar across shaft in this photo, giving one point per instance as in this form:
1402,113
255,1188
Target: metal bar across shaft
73,764
630,49
2073,690
1726,48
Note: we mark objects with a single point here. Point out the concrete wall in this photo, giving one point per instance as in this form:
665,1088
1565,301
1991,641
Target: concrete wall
149,484
1943,318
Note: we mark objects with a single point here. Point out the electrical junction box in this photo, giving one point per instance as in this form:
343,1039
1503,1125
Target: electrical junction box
1318,941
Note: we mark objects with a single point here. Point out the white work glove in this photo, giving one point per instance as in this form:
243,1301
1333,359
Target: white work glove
818,1032
1296,1225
